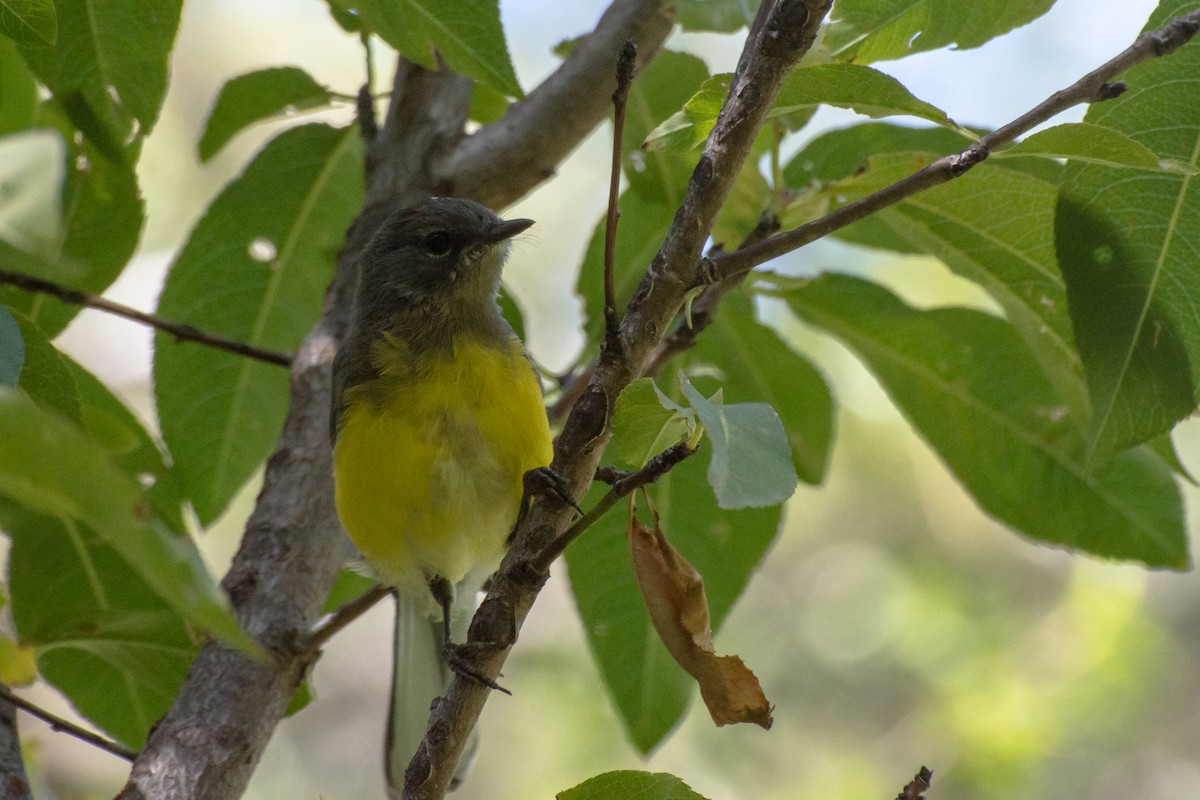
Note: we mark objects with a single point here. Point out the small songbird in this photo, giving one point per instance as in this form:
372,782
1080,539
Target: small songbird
437,416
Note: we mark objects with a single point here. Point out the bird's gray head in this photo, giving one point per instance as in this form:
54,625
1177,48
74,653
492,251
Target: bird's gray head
439,250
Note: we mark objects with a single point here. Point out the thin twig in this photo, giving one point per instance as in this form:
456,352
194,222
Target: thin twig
345,614
57,723
182,332
1091,88
916,788
625,64
623,484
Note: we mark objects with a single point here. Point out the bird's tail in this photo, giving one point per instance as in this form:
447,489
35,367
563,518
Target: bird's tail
419,676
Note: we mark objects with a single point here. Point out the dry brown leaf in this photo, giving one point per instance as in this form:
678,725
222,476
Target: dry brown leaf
674,594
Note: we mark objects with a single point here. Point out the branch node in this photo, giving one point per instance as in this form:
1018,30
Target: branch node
1109,91
961,162
915,788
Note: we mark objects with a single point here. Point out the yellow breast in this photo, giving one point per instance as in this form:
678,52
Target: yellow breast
429,459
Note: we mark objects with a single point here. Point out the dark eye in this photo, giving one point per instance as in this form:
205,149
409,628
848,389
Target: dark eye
437,243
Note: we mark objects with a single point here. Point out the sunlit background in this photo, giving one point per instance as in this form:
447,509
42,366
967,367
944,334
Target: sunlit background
892,626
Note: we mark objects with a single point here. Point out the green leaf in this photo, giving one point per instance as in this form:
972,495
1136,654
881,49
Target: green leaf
720,16
50,467
650,690
101,635
667,83
29,21
642,425
881,30
467,34
1093,144
18,91
257,96
12,349
967,384
858,88
631,784
47,378
751,464
842,152
254,269
753,363
102,213
111,59
1127,243
487,104
350,583
644,222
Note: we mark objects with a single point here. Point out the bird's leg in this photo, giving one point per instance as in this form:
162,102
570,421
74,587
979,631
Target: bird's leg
459,656
543,480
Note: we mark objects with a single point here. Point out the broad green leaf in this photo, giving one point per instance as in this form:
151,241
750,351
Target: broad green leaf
487,104
879,30
50,467
995,226
350,583
102,213
347,20
510,309
57,383
644,222
650,690
720,16
12,349
467,34
749,198
642,426
254,269
47,378
751,464
101,636
29,21
967,384
257,96
667,83
1127,242
18,91
1164,448
110,60
1086,143
631,784
754,364
858,88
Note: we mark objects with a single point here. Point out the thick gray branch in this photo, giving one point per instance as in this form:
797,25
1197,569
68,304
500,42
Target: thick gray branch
781,36
504,160
14,783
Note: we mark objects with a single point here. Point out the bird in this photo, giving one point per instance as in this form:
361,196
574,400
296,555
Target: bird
437,415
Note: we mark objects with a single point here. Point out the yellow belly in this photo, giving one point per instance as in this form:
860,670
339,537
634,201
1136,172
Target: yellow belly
428,464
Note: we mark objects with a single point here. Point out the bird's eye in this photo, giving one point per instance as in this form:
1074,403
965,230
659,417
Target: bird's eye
437,243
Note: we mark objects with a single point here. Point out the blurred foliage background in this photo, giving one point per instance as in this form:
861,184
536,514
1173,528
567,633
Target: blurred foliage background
893,625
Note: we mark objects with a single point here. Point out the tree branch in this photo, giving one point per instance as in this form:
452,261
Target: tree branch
14,783
182,332
504,160
916,788
59,724
788,29
1091,88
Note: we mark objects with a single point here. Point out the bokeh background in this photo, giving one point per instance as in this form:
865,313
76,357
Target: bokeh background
892,626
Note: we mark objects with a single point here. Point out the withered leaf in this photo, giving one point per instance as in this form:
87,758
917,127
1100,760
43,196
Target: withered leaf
674,594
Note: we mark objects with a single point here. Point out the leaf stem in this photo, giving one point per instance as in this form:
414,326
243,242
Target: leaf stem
57,723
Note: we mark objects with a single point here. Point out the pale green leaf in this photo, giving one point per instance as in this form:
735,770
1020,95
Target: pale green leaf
642,425
12,349
751,464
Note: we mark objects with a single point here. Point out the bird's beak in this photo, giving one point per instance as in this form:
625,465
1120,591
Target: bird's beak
505,229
